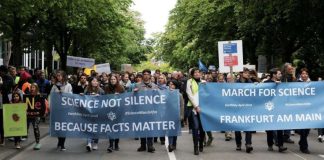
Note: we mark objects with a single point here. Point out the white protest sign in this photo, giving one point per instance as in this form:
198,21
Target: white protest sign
230,54
105,67
79,62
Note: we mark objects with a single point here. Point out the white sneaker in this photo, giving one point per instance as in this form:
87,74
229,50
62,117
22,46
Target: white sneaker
88,147
95,146
292,132
320,138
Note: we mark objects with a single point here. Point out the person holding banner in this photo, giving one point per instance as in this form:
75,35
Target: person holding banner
173,84
198,134
93,89
146,84
6,84
36,107
244,78
113,87
288,75
303,144
61,86
16,98
275,77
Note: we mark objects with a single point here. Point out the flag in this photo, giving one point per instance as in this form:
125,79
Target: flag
202,67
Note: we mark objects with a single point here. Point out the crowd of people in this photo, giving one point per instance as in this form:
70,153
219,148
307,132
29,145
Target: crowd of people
15,84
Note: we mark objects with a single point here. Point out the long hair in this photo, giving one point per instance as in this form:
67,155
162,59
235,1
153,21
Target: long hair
111,89
64,76
92,89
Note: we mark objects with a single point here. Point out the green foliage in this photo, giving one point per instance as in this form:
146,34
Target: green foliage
281,30
106,30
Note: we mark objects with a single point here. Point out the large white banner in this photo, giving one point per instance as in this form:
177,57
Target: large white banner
79,62
230,54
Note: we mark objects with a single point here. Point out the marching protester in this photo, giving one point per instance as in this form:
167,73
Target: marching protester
209,78
230,78
288,75
113,87
125,82
198,133
244,78
173,84
275,77
32,117
93,89
61,86
17,98
81,85
6,83
303,144
146,84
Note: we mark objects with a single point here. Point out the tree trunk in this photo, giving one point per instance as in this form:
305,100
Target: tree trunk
16,56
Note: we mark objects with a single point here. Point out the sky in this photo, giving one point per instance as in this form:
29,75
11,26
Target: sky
155,14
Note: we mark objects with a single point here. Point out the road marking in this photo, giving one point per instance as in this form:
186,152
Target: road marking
170,154
322,156
297,155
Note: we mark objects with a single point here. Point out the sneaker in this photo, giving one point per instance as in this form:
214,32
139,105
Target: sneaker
320,138
116,147
17,146
209,142
151,149
89,147
110,149
249,148
95,146
23,139
170,148
141,149
282,149
238,147
63,148
37,146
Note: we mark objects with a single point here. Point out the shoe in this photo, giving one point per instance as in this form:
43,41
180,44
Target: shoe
209,142
201,148
320,138
88,147
227,138
141,149
116,147
23,139
151,149
17,146
289,141
306,151
249,148
196,152
162,142
238,147
2,142
63,148
292,132
174,147
170,148
37,146
270,148
95,146
282,149
110,149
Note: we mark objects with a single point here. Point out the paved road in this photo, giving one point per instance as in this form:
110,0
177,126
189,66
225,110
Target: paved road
220,149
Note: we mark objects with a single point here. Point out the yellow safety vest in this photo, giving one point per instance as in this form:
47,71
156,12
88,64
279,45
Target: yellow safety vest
194,88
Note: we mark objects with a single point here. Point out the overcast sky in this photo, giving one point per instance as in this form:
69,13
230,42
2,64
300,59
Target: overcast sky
155,14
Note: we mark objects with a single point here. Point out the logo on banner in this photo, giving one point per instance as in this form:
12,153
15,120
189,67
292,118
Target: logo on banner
111,116
269,106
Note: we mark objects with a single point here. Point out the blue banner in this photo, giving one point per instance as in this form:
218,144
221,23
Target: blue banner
136,114
263,106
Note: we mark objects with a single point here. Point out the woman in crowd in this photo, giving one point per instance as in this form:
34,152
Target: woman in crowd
17,98
34,119
173,84
303,144
198,134
61,86
113,87
93,89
